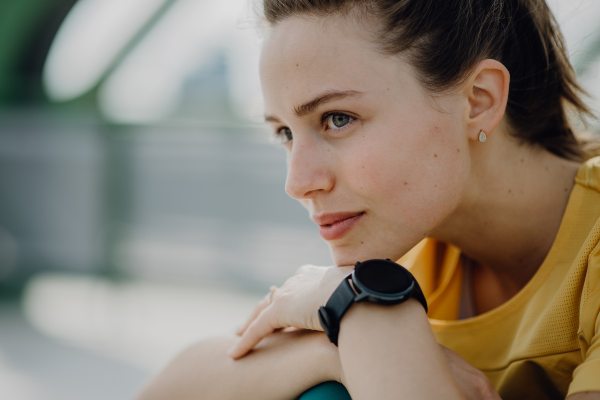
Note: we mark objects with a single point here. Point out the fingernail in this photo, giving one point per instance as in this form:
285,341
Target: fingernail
231,351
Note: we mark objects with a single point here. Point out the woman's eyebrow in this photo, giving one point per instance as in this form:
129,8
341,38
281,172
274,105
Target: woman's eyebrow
328,96
270,118
312,105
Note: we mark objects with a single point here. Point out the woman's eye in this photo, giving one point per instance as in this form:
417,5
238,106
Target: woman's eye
336,121
284,134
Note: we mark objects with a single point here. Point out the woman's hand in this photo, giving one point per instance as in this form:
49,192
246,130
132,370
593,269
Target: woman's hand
295,304
473,383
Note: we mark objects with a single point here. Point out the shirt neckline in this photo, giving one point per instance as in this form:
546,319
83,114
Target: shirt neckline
560,240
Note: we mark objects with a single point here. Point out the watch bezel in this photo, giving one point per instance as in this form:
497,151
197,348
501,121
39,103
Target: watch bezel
365,293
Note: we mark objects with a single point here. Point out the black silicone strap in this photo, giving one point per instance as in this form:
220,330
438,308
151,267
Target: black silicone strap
337,305
418,294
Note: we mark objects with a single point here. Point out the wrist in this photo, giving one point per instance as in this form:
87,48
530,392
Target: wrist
368,316
377,281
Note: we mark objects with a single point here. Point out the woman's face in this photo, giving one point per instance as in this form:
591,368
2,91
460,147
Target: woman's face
375,160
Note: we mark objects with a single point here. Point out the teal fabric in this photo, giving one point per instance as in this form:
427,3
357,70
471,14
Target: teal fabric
326,391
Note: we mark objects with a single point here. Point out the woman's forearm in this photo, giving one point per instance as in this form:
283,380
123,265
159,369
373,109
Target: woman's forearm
390,352
283,366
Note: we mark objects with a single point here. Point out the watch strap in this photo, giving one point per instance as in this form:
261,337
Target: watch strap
331,314
417,293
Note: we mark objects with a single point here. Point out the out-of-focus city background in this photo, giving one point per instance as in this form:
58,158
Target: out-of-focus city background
141,199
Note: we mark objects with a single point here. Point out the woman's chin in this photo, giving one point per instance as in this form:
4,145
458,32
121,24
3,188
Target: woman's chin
352,255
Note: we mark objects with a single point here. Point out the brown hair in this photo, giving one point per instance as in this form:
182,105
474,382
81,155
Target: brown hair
444,39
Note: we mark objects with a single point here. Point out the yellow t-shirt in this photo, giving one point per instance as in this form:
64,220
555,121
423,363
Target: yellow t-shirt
545,341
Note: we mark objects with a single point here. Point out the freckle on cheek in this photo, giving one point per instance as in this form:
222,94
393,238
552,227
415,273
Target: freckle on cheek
435,155
406,183
458,150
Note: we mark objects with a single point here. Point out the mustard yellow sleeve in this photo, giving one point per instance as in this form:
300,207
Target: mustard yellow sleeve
586,377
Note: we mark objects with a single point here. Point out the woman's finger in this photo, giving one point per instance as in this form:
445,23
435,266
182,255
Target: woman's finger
264,303
255,313
258,329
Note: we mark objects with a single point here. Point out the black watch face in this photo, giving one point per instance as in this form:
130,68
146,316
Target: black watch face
383,276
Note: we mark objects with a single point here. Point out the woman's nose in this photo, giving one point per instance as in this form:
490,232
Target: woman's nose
309,171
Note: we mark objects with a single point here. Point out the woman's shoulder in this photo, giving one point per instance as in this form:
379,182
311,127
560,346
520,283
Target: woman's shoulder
589,174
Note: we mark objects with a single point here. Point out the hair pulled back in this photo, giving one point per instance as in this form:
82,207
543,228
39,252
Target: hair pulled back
445,39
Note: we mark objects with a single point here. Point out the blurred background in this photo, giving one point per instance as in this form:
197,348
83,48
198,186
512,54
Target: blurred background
141,199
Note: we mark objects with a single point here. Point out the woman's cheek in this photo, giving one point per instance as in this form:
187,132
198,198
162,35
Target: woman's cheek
368,172
440,190
418,190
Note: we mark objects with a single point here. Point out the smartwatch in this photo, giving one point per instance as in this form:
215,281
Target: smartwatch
378,281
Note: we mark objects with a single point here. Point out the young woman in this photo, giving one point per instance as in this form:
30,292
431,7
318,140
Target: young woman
433,132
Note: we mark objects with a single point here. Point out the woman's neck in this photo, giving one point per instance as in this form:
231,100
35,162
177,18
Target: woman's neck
510,215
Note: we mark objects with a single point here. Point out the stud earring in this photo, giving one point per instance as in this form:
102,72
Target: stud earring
482,136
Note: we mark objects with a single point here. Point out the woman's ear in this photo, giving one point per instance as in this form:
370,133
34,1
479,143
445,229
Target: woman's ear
487,92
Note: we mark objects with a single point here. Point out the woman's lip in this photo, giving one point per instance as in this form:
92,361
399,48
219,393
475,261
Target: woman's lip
340,226
332,218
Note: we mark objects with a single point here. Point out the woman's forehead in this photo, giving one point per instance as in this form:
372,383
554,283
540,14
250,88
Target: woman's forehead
301,45
304,56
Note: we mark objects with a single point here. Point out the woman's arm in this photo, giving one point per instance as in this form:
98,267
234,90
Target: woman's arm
282,366
389,352
385,351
